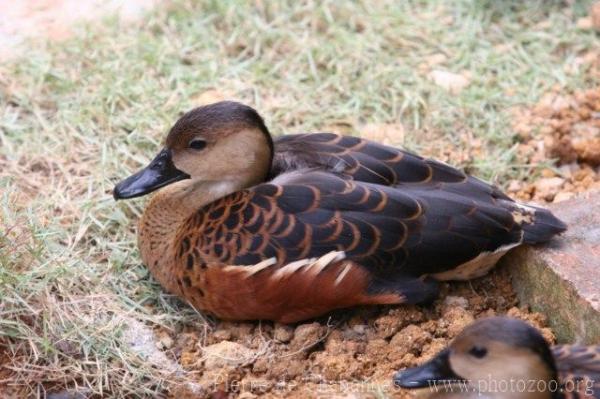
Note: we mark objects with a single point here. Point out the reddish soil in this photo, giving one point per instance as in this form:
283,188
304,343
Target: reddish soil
564,127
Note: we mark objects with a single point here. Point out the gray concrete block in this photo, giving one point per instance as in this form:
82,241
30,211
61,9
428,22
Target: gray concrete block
562,278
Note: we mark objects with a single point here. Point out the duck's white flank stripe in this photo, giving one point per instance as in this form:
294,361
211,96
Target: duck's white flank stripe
251,270
325,260
314,266
292,267
341,276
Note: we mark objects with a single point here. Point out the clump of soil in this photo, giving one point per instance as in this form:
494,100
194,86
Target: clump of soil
352,351
565,128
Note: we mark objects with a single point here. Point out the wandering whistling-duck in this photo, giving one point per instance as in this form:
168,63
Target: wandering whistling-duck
504,358
249,227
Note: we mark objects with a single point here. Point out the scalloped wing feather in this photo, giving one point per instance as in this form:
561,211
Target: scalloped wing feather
578,370
387,230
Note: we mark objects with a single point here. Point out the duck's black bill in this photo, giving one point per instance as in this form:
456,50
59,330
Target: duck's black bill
159,173
432,374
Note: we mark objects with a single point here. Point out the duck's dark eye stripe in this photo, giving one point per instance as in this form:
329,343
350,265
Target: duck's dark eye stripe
197,144
478,352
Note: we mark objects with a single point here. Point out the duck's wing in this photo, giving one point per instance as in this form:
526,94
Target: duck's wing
388,231
578,370
368,161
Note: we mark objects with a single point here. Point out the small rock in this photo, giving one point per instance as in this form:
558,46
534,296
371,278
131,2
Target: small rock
283,333
547,172
588,148
261,365
306,336
450,81
459,301
547,187
360,329
386,326
226,353
563,196
221,335
390,323
567,170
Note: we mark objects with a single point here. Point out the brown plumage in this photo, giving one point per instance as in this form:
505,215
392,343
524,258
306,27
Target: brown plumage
500,357
253,228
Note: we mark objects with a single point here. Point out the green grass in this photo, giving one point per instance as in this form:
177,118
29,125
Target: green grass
77,116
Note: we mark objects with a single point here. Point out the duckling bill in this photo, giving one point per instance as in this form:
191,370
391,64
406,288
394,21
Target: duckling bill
247,227
504,358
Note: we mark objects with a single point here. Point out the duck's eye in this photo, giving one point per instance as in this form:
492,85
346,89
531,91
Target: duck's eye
197,144
478,351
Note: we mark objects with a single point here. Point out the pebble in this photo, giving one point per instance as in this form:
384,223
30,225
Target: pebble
456,301
450,81
563,196
547,187
283,333
306,336
226,353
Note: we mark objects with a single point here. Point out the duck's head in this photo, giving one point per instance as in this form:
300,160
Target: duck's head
488,355
225,142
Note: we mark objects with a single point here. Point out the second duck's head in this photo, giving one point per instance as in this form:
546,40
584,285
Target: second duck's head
488,356
226,142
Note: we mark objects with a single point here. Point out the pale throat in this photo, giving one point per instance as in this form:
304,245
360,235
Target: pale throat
163,216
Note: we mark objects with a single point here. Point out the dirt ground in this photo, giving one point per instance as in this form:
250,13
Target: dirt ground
564,127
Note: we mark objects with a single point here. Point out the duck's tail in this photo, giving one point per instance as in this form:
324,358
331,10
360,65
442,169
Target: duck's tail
538,224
